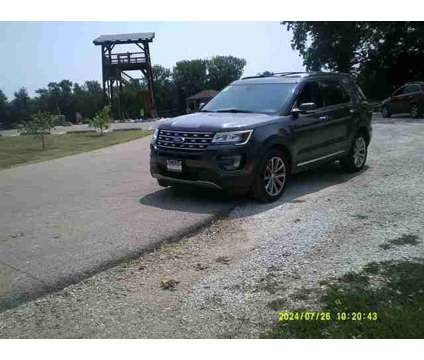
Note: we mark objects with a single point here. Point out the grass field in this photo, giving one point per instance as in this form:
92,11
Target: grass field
17,150
394,291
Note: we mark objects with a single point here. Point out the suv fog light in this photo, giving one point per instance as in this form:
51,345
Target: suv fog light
230,162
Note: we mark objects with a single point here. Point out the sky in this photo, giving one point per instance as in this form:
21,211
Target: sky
36,53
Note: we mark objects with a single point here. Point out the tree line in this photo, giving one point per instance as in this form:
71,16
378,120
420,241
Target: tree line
80,102
382,55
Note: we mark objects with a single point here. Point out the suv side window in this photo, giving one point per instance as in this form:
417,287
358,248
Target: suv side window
408,89
333,93
310,93
353,90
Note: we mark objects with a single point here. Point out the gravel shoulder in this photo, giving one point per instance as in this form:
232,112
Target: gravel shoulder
223,281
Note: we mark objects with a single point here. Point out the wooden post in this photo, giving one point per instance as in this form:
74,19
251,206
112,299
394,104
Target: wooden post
149,72
119,99
103,74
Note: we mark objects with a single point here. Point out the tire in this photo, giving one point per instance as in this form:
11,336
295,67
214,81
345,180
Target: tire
414,111
385,112
163,183
271,177
357,156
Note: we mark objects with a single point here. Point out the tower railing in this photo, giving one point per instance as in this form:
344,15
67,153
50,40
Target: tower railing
125,58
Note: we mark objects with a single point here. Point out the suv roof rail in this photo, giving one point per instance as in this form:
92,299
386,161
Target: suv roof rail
254,77
295,73
286,73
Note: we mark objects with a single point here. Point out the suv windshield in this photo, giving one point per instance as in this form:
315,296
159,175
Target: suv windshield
255,98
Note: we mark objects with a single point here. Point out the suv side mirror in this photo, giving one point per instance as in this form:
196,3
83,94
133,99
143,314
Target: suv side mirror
201,105
304,108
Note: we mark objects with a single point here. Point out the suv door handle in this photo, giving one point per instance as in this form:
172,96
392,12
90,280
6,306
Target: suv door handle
323,118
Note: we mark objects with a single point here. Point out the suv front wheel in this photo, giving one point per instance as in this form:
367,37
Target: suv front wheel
386,111
271,177
357,156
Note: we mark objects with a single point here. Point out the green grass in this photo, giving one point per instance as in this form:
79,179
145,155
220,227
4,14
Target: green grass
394,290
406,239
17,150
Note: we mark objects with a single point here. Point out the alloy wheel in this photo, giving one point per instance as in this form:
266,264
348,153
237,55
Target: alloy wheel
414,111
359,152
274,176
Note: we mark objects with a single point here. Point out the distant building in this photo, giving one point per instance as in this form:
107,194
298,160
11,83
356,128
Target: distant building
193,102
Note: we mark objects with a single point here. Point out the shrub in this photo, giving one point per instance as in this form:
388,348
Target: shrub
39,125
102,119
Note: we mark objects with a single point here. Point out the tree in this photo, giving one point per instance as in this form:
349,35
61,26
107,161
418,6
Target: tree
132,99
102,119
383,55
165,94
88,98
190,77
222,70
327,44
39,125
4,111
57,99
21,108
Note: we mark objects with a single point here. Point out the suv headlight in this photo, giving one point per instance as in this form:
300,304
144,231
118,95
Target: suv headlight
154,136
232,137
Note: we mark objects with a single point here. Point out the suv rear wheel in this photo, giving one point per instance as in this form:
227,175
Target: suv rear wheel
415,113
357,156
271,177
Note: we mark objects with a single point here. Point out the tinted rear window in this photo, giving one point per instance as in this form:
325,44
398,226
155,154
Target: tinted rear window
411,89
353,89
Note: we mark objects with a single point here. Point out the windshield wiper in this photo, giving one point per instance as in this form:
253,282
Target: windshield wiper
232,110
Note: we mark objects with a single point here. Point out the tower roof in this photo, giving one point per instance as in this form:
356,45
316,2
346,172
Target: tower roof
124,38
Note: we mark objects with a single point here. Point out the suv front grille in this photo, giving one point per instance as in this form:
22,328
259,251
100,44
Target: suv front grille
186,140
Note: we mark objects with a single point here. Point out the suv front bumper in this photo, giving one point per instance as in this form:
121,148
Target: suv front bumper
204,167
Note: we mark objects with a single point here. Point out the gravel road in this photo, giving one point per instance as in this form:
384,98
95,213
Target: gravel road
223,281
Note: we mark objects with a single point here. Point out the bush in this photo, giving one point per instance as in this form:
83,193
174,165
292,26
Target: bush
102,119
39,125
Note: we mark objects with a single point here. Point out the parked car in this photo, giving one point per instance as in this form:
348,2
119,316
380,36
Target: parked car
259,130
407,99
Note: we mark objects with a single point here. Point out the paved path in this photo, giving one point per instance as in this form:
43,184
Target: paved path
64,219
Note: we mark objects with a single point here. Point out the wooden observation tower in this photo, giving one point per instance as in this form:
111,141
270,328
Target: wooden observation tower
115,65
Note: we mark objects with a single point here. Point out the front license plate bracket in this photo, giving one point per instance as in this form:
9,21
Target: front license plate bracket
174,165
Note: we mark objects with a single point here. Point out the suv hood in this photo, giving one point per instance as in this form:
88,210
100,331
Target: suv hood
204,121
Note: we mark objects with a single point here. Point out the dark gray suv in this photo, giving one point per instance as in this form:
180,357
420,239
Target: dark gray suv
259,130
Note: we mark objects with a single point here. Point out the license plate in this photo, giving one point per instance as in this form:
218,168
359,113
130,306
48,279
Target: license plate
174,165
